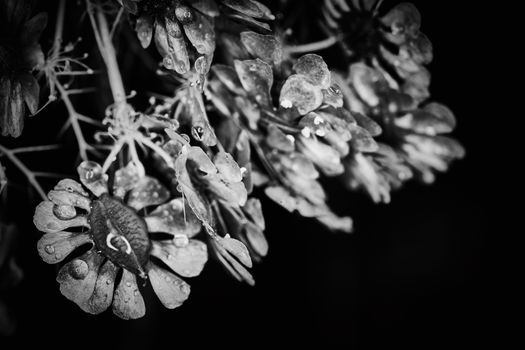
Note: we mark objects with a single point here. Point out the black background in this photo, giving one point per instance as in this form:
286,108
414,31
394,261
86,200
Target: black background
420,272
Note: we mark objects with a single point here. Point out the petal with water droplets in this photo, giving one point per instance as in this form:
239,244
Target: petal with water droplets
78,277
148,191
173,218
56,246
187,260
265,47
102,295
45,219
125,179
127,300
171,290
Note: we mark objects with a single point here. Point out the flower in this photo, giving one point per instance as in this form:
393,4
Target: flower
308,130
20,54
124,235
391,42
173,24
412,142
215,191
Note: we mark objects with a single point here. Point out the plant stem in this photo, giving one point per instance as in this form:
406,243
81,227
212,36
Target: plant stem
27,173
59,28
110,58
82,144
310,47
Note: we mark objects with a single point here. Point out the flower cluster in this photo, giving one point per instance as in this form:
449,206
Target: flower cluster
243,114
175,24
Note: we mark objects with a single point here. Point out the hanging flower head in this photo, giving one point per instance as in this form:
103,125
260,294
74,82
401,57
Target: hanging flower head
412,142
392,42
20,54
119,227
172,24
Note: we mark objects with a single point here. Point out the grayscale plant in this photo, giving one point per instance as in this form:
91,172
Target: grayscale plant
238,111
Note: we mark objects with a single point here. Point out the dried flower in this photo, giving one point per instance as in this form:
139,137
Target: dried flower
20,54
119,227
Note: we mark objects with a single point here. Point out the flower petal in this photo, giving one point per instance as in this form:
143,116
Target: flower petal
56,246
322,155
30,91
256,239
249,8
177,49
199,31
256,77
253,210
187,261
102,295
70,185
171,290
127,300
300,93
173,218
236,248
78,277
126,179
64,197
148,191
314,68
227,167
45,219
265,47
91,176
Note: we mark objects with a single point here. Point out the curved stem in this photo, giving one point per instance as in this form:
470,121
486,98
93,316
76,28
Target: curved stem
310,47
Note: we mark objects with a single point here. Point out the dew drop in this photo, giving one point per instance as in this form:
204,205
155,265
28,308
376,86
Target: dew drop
49,249
78,269
128,284
180,240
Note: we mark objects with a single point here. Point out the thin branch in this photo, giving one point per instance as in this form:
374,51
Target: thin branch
34,149
73,118
27,173
59,28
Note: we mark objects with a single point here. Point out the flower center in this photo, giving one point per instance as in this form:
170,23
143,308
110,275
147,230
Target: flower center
120,234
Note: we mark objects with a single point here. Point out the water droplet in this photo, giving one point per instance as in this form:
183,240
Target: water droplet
185,288
108,281
78,269
169,256
49,249
136,292
89,174
128,284
155,195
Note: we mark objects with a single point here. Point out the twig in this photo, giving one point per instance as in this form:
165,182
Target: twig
27,173
59,28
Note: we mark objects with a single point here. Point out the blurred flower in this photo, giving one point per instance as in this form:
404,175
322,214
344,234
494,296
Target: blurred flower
120,228
10,276
173,24
20,54
412,135
391,42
